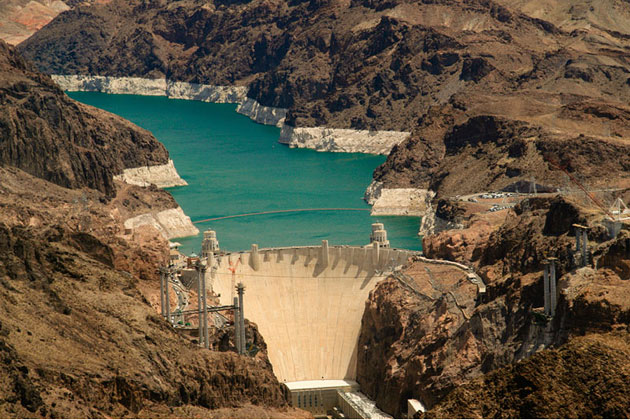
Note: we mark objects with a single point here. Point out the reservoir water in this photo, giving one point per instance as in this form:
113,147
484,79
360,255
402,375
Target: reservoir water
234,166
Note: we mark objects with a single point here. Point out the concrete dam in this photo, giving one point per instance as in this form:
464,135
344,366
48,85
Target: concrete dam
307,302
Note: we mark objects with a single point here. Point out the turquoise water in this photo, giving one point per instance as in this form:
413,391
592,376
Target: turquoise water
235,166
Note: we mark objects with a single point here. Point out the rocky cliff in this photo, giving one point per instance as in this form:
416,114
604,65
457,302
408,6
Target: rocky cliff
79,336
490,90
430,340
50,136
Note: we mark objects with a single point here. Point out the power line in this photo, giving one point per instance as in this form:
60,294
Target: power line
278,211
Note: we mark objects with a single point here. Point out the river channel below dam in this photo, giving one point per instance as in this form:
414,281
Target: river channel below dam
235,166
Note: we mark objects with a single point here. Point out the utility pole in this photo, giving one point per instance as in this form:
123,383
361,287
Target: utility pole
201,304
167,295
205,307
237,324
241,289
199,310
552,286
549,285
546,290
162,272
581,243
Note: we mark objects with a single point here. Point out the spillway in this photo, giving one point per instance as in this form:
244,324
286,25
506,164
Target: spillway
307,302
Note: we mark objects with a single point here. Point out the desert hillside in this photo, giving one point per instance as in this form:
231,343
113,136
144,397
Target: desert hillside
460,76
80,330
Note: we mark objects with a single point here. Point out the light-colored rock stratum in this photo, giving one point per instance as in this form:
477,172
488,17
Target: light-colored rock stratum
322,139
171,223
163,176
342,140
307,302
151,87
262,114
398,201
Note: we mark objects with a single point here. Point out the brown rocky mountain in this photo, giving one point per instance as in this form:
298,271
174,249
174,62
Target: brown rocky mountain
454,72
19,19
434,338
80,330
493,92
48,135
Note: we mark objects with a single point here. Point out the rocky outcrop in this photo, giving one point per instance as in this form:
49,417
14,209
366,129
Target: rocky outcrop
171,223
414,339
341,140
48,135
428,336
398,201
163,176
151,87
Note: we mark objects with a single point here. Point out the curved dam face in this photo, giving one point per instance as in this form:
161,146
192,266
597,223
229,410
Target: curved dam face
307,301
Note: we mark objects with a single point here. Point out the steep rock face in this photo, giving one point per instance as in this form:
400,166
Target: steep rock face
93,347
50,136
404,351
551,384
432,347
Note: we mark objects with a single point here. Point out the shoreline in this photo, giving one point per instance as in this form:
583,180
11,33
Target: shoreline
384,201
163,176
402,202
324,139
